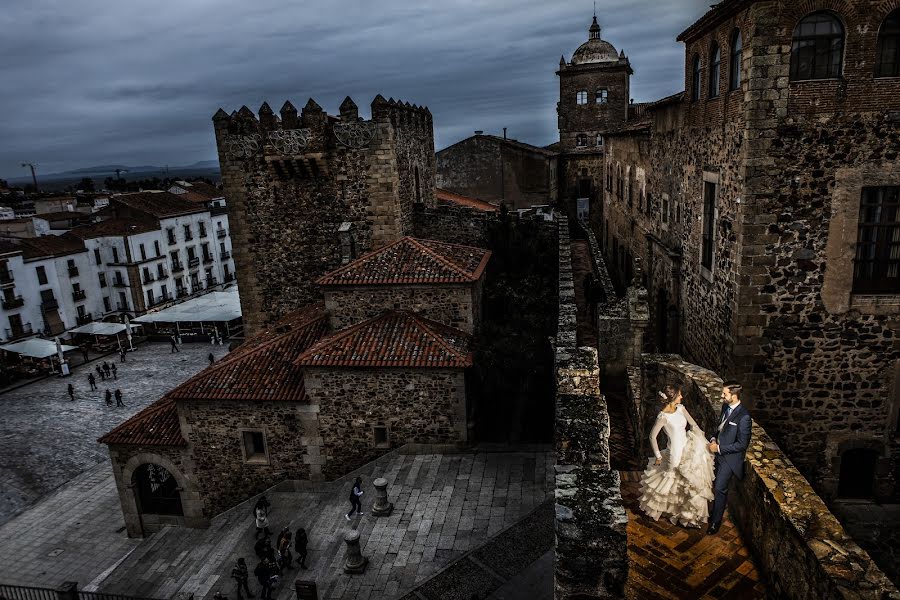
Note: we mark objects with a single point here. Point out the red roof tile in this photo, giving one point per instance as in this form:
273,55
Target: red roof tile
394,339
460,200
261,369
46,246
410,261
112,227
157,204
156,425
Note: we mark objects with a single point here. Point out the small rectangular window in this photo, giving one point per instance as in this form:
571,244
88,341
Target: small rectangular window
381,437
41,275
143,252
254,446
581,97
106,305
156,247
115,254
97,258
877,264
602,97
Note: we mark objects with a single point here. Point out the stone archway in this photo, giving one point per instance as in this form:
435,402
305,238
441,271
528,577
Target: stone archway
853,461
162,488
157,491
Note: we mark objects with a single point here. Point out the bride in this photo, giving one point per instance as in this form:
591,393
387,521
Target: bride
678,481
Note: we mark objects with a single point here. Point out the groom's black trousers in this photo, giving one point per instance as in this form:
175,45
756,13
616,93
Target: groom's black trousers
723,478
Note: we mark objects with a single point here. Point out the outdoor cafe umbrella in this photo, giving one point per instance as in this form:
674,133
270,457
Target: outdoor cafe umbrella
128,332
63,367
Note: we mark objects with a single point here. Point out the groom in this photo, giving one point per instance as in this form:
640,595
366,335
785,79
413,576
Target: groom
729,447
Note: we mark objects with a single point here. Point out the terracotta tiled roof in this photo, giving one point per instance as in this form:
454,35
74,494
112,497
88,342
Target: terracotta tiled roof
7,247
46,246
394,339
204,189
260,369
410,261
156,425
460,200
61,215
112,227
157,204
193,197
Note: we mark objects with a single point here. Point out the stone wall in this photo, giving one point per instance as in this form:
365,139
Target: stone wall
454,305
425,406
591,523
291,181
223,475
800,546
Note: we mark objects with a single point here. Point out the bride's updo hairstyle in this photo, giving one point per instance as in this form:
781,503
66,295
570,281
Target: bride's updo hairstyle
664,397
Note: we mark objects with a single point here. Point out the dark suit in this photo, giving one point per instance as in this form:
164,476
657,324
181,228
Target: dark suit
733,440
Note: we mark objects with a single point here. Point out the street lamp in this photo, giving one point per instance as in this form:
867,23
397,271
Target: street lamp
33,176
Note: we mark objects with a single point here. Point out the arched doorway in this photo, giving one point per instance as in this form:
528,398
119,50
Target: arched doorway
857,479
157,491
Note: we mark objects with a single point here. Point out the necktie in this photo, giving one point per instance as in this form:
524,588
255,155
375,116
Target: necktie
725,418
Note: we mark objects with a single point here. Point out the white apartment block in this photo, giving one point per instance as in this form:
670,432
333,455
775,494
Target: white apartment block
151,249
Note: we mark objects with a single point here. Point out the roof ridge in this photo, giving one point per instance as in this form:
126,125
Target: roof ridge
423,322
446,262
152,408
342,333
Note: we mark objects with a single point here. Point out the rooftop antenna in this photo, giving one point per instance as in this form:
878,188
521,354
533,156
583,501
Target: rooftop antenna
33,176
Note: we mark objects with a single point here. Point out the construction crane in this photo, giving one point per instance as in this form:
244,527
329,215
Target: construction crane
119,177
33,175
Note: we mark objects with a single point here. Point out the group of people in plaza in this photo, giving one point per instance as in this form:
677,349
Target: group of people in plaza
105,371
680,481
272,560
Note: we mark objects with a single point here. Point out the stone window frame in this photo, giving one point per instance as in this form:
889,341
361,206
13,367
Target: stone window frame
840,247
793,74
839,443
253,460
387,437
713,177
581,97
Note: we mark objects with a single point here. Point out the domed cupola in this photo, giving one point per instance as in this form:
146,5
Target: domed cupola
595,50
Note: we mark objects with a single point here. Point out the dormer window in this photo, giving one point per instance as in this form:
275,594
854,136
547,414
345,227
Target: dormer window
581,97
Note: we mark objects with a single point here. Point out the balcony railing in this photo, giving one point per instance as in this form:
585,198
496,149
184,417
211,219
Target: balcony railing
188,237
208,258
177,266
220,233
157,300
193,262
229,277
17,332
211,281
50,304
6,276
11,303
162,273
149,278
181,292
85,319
202,233
79,295
226,255
73,271
172,240
120,283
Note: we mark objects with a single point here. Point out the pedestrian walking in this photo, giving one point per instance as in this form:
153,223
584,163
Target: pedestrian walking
115,371
71,392
108,397
92,381
261,513
355,504
106,369
99,370
240,575
119,398
300,543
122,355
264,578
283,545
211,358
84,354
174,345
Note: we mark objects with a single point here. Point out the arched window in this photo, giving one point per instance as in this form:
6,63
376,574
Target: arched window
887,61
602,96
581,97
734,68
581,140
715,70
817,50
857,478
695,78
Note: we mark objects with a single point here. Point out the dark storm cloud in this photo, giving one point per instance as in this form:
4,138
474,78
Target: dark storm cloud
97,82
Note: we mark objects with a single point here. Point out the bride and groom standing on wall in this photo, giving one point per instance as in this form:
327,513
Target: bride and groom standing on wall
681,480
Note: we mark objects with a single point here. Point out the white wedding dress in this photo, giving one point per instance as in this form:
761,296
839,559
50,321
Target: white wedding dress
681,485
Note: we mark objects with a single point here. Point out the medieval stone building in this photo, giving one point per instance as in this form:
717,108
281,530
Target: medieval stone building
762,203
326,389
291,182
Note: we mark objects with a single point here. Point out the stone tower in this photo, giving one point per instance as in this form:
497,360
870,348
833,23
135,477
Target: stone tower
594,95
304,190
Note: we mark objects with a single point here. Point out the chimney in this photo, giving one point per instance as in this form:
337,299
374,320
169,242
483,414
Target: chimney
504,133
348,245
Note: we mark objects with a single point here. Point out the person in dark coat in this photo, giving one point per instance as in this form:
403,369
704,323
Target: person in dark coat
115,371
283,545
259,548
84,354
71,392
240,574
264,577
119,398
174,345
92,381
300,543
211,358
122,355
108,398
106,368
355,504
99,370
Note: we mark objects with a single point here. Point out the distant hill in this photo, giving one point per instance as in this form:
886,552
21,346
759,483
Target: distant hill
53,181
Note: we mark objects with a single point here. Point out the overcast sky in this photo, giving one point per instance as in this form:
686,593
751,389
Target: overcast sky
90,82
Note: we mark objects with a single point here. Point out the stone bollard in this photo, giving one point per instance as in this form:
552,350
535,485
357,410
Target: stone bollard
354,562
382,507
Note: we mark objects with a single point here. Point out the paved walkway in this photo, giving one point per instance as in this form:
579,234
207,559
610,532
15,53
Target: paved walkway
46,439
444,506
